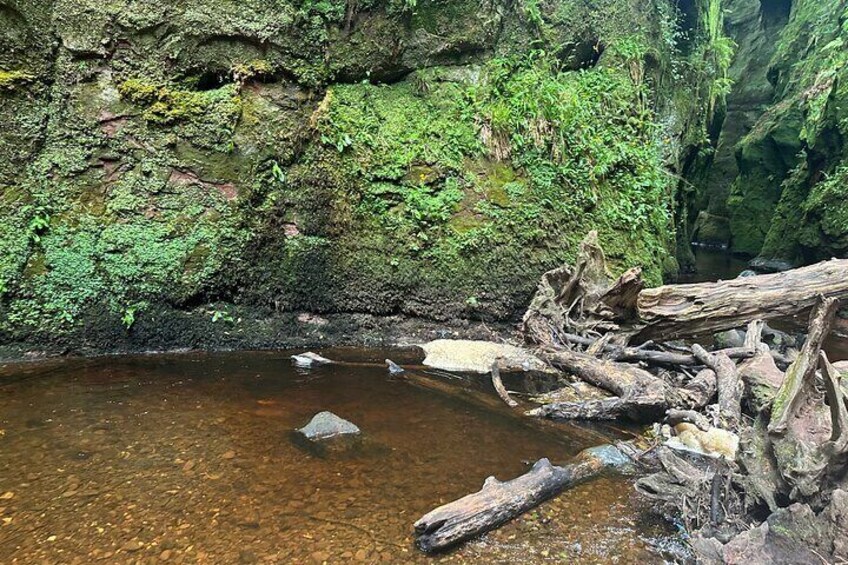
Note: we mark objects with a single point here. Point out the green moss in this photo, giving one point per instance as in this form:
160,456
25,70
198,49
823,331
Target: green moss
208,118
273,153
10,80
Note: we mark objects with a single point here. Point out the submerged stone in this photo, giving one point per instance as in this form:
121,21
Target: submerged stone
326,425
329,436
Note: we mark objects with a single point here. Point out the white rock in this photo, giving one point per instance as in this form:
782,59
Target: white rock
309,359
478,356
715,442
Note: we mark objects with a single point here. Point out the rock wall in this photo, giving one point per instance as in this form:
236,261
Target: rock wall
230,161
776,187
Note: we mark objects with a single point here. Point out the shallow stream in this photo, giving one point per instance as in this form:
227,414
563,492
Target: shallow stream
189,459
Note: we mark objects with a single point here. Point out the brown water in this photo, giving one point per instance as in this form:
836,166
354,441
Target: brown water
188,459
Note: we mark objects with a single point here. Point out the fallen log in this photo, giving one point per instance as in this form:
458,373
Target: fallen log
479,399
666,358
499,502
596,409
641,395
674,311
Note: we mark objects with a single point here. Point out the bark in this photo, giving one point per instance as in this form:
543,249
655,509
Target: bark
619,302
675,311
499,502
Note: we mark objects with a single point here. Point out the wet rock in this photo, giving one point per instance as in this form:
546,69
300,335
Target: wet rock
326,425
778,339
394,368
747,273
309,359
478,356
763,265
730,338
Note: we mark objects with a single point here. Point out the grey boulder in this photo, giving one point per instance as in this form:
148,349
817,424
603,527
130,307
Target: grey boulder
326,425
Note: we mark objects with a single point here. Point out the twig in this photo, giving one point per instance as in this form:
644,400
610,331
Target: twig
499,386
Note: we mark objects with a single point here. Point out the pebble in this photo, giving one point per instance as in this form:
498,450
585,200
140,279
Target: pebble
7,495
165,555
132,546
229,455
320,556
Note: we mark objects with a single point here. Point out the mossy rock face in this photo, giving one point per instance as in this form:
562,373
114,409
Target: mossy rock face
429,159
712,230
764,156
784,203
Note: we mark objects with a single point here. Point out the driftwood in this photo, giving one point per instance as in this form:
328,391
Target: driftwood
674,311
653,357
498,502
729,384
740,442
699,392
801,426
500,388
581,298
836,400
803,369
639,394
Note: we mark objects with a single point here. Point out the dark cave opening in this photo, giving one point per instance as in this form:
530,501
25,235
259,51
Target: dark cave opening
775,13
